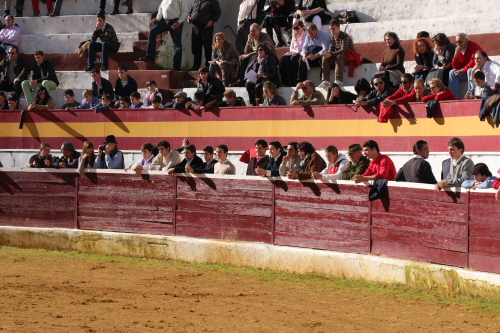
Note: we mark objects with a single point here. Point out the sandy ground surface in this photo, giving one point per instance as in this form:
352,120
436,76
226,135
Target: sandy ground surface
44,291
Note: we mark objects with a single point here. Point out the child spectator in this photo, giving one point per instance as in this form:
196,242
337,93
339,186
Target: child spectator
125,103
69,98
106,103
156,103
482,88
146,160
89,102
135,99
482,177
153,91
231,99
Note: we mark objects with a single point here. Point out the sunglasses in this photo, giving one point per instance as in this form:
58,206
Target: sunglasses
377,83
460,41
296,28
432,88
11,53
260,49
405,82
304,88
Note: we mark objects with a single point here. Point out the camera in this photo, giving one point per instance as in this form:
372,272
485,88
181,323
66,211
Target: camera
102,147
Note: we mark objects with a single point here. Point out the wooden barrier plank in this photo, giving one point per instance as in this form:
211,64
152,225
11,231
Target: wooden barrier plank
38,204
323,243
309,214
484,229
93,177
38,223
417,223
331,229
427,194
38,177
476,197
36,188
322,198
210,219
295,203
485,212
223,208
484,263
226,196
225,233
129,214
419,253
116,191
484,246
103,201
320,188
136,183
420,238
102,224
215,184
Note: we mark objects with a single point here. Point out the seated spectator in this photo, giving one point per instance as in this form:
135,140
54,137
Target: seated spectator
292,159
387,105
87,158
311,162
224,57
43,101
259,161
231,100
109,157
179,102
255,38
363,88
417,169
290,60
12,79
116,4
43,159
460,167
100,85
152,92
16,103
4,104
191,159
314,11
310,96
166,157
273,167
36,9
89,102
210,85
271,97
70,156
146,160
202,101
10,35
135,99
106,104
491,70
393,59
381,166
125,103
482,177
482,89
69,98
316,44
376,96
339,96
43,74
224,166
444,51
106,33
340,44
265,65
155,104
462,62
337,163
125,85
439,92
358,162
207,166
424,56
277,17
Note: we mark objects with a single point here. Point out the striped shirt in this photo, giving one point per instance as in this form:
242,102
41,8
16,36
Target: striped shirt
339,45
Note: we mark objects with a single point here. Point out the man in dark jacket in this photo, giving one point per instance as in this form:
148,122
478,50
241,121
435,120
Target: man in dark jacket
69,158
417,170
44,159
377,95
209,84
358,164
100,85
44,74
191,159
12,79
207,166
202,15
260,161
273,167
106,33
125,85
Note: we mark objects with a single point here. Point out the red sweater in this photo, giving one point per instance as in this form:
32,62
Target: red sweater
382,168
401,96
446,95
464,61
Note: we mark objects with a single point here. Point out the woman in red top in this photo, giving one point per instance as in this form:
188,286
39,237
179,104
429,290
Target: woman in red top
439,92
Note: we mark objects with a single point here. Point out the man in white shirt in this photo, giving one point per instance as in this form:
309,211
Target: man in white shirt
490,68
337,163
248,9
166,157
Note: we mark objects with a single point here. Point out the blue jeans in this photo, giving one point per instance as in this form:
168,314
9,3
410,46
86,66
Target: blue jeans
454,82
176,34
421,76
105,48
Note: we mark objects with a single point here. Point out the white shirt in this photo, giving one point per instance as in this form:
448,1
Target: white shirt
491,71
171,9
245,8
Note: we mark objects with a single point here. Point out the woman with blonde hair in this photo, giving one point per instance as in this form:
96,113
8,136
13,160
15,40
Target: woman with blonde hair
224,57
424,55
439,91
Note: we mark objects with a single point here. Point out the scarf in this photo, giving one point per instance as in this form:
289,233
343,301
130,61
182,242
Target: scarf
261,61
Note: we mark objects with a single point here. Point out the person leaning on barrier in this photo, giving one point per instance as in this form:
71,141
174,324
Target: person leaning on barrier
311,162
89,103
259,161
210,85
191,159
44,159
417,169
292,159
69,98
70,156
376,96
482,177
271,97
109,157
224,166
381,166
339,96
337,163
166,157
387,105
460,166
273,167
42,101
179,102
207,166
87,158
147,158
231,99
358,162
310,96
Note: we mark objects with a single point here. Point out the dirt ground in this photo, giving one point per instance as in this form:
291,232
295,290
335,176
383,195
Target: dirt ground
44,291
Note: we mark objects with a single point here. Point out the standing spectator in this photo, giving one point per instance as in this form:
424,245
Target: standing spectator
444,50
265,65
146,160
376,96
247,13
70,156
358,162
223,166
259,161
417,169
381,166
224,57
339,96
271,97
7,7
135,100
277,18
231,99
10,35
109,157
340,44
36,9
207,166
311,162
69,98
125,85
424,57
89,102
15,70
482,89
152,92
42,101
393,59
170,17
491,70
43,74
166,157
100,85
439,92
116,5
312,11
387,105
337,163
43,159
87,158
292,159
290,60
460,166
202,15
316,44
211,86
273,167
462,62
310,96
106,33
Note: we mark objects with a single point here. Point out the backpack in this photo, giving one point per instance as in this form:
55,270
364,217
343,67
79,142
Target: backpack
83,49
348,16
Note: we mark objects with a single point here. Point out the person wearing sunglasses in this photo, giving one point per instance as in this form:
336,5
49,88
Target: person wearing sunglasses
265,64
12,79
439,92
70,156
290,60
462,62
43,101
310,96
387,106
376,96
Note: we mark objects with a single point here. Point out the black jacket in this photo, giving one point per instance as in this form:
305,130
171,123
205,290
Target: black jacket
106,88
374,98
238,102
21,68
203,11
206,168
45,71
71,163
121,91
270,67
214,87
274,165
416,170
196,163
426,60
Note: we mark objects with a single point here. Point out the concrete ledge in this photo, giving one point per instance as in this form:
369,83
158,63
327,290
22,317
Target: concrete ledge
424,276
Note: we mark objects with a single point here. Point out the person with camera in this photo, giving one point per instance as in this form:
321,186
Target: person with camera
109,157
43,159
277,14
70,156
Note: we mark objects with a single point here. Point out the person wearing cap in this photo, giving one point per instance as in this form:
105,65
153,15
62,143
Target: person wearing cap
166,157
69,158
109,157
381,166
100,85
125,85
358,162
179,101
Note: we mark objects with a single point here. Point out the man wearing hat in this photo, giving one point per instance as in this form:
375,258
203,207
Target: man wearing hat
69,158
109,157
358,162
179,102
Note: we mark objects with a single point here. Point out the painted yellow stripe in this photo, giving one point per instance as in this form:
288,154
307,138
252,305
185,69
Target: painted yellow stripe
465,126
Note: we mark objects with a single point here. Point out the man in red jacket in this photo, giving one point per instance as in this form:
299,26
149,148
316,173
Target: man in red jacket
381,166
462,62
387,106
